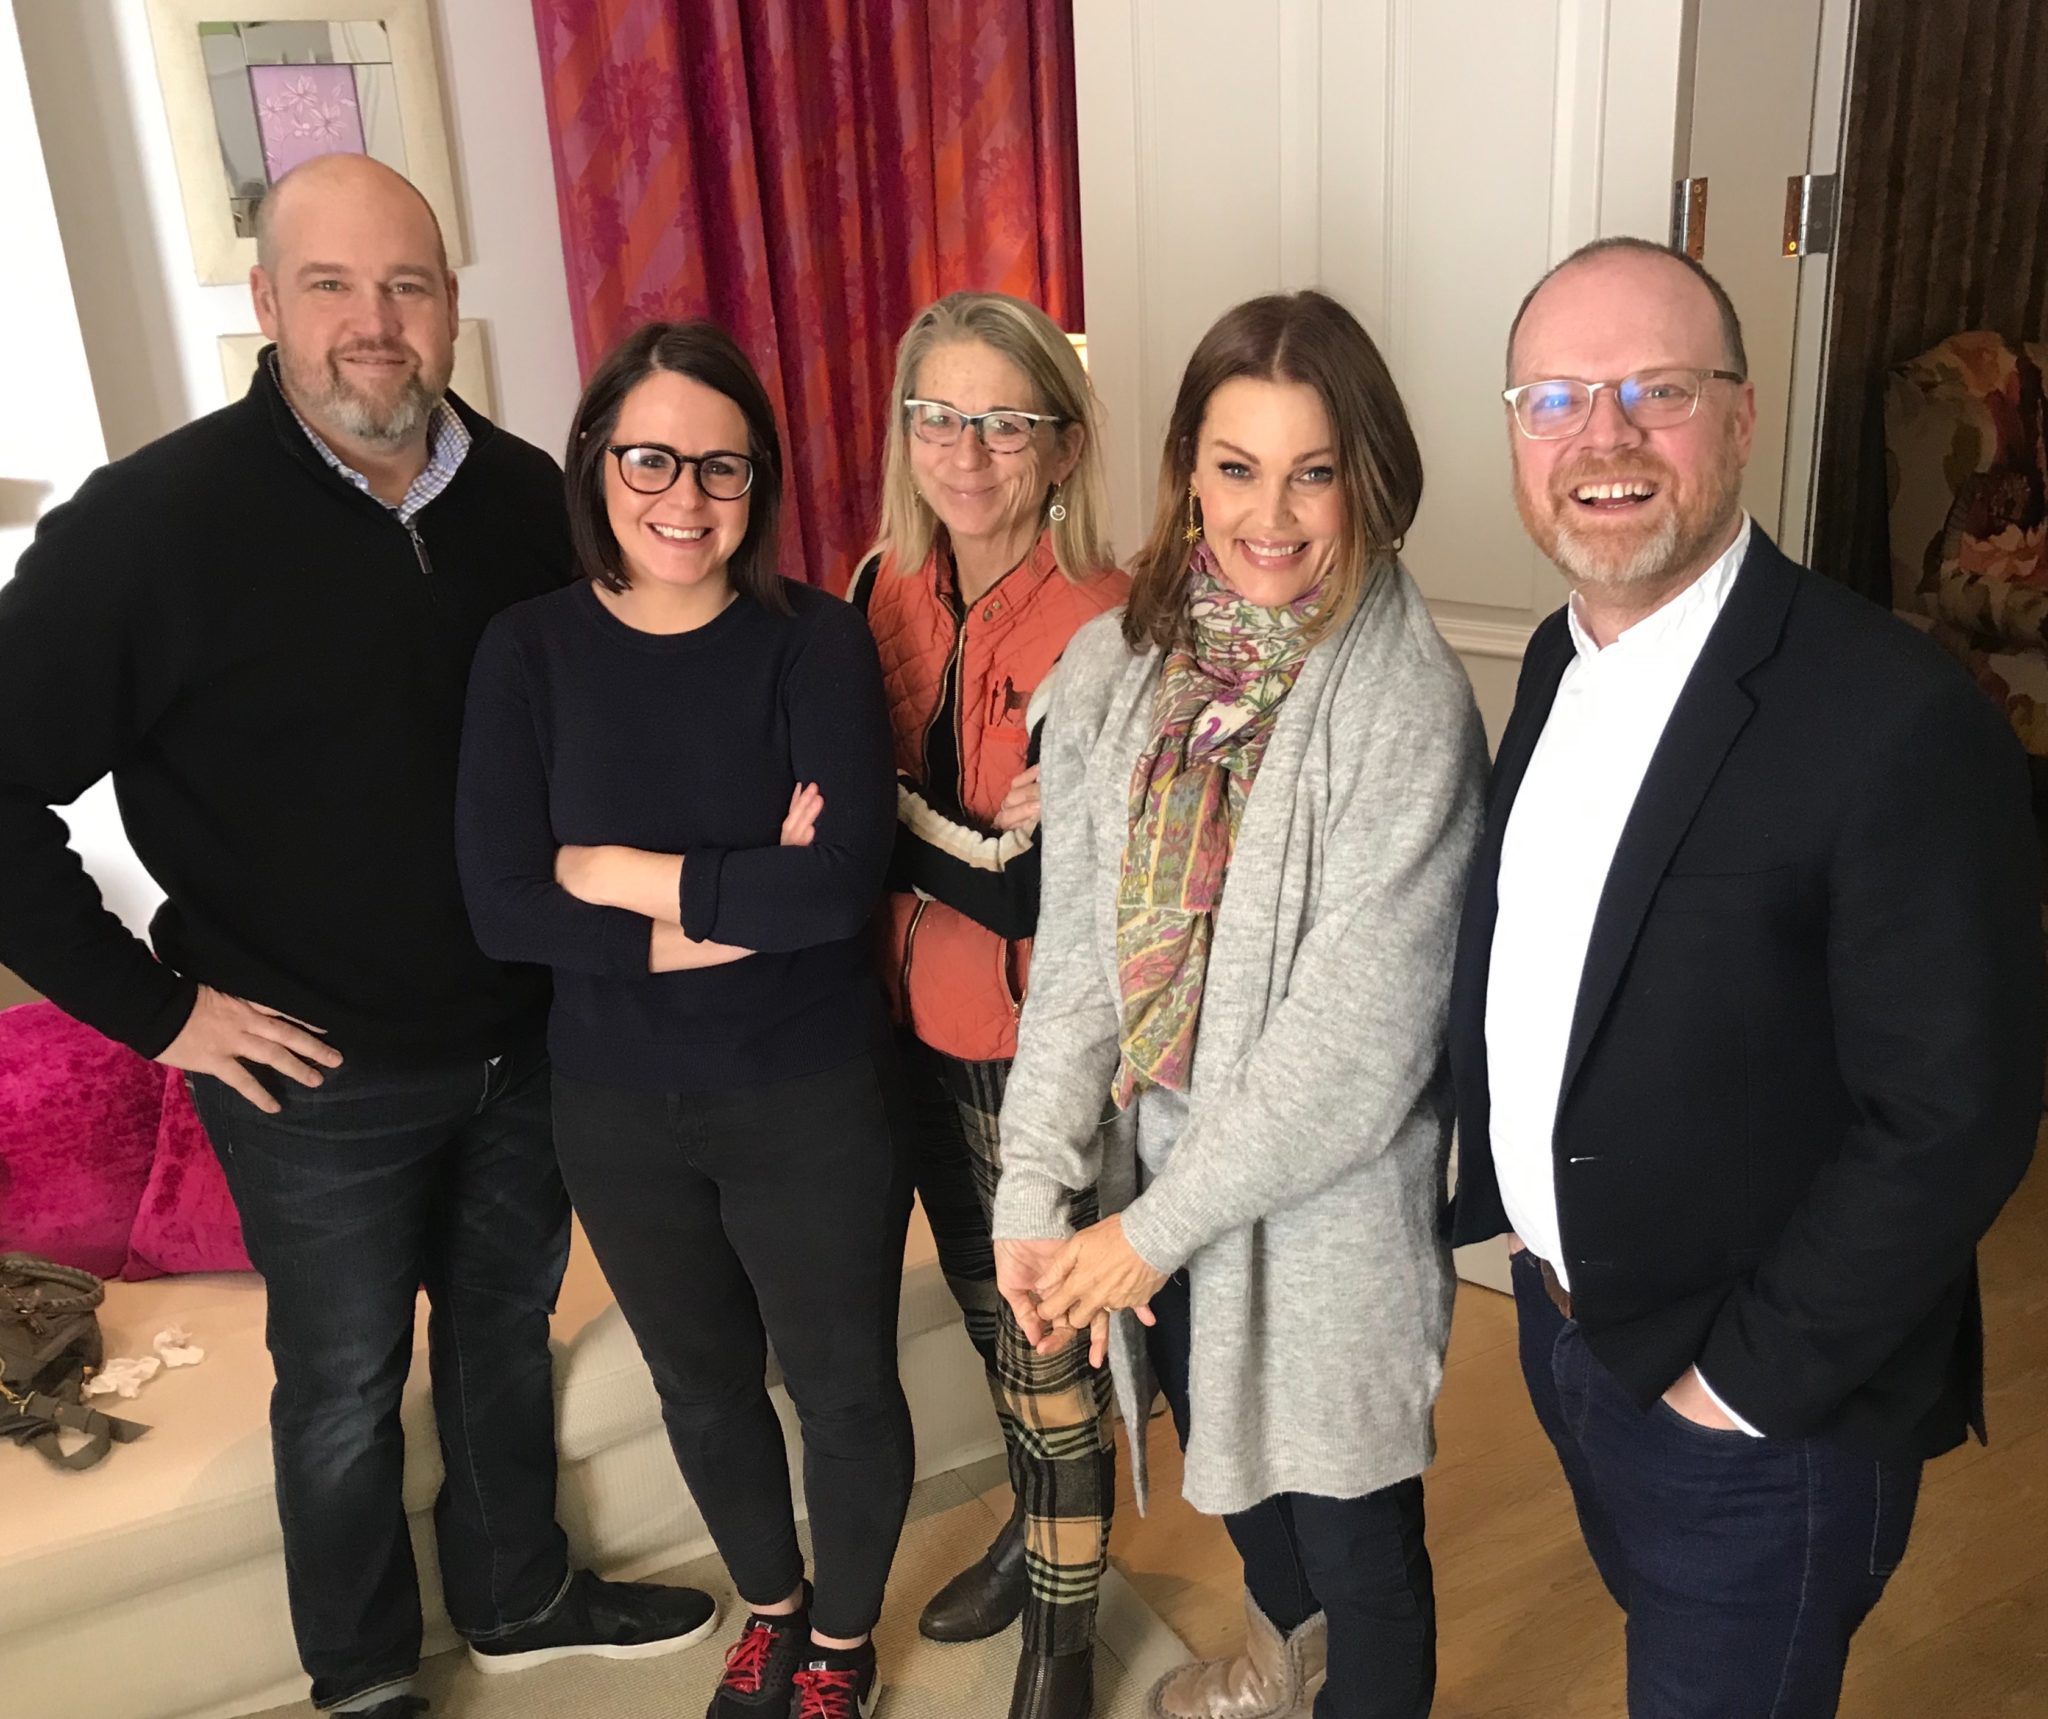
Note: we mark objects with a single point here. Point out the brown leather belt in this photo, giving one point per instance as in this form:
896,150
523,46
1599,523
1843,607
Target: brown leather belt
1560,1297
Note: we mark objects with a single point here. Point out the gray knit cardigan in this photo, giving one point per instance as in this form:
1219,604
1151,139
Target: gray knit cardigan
1303,1191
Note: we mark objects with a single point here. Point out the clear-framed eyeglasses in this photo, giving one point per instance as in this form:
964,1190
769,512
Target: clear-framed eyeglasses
1650,400
1002,431
652,467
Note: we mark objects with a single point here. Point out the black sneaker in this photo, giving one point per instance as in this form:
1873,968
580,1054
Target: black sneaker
398,1707
760,1668
837,1683
608,1620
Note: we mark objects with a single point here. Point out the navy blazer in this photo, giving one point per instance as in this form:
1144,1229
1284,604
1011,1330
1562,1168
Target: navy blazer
1805,1064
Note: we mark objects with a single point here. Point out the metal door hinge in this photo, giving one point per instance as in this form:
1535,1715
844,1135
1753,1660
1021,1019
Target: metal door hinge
1810,206
1689,217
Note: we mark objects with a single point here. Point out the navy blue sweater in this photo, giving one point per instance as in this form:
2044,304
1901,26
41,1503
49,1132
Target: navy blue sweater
583,730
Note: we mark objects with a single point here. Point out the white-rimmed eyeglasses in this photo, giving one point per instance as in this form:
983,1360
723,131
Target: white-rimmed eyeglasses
1002,431
1650,400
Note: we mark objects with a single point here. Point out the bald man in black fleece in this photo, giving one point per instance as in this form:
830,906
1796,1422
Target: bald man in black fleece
261,627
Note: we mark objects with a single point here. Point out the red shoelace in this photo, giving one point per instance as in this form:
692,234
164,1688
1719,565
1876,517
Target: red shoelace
826,1694
747,1659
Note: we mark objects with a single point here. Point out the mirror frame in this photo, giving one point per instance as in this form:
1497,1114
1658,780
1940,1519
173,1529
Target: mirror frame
222,257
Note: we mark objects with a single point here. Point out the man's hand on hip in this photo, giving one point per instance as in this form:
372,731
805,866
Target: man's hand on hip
224,1034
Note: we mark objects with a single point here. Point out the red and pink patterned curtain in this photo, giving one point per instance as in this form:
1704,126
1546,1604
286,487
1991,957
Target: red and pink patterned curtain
811,173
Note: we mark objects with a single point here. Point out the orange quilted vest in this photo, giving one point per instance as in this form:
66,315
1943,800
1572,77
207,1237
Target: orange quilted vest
958,984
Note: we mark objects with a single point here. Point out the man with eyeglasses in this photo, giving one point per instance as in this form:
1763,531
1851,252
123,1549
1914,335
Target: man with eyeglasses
1747,1020
261,626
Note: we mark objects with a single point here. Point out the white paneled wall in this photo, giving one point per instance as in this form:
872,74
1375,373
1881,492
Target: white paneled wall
1422,160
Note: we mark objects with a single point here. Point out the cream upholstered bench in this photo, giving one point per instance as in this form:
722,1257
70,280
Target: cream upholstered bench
152,1587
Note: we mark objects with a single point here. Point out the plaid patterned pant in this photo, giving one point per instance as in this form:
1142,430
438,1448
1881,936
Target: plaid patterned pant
1054,1409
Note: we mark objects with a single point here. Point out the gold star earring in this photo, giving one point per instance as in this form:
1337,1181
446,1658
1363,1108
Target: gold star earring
1193,533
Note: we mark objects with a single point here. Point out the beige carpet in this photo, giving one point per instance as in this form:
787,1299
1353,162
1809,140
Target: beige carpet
949,1526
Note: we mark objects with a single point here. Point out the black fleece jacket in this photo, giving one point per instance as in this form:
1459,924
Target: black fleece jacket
272,668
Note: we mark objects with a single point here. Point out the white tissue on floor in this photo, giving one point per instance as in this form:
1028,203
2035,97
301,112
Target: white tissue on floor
175,1345
123,1376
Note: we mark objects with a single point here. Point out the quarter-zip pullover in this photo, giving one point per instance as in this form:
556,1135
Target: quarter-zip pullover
272,667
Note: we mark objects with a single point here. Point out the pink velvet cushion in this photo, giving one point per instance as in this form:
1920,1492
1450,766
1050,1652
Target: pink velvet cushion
187,1219
78,1127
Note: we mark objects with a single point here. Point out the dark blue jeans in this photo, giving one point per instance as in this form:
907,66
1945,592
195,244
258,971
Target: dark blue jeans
1744,1564
359,1192
1361,1562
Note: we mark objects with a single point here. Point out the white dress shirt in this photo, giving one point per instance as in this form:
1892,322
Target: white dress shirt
1581,784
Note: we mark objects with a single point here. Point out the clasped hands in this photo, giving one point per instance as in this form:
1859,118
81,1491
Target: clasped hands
1060,1289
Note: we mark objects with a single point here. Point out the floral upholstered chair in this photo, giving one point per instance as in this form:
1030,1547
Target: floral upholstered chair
1966,439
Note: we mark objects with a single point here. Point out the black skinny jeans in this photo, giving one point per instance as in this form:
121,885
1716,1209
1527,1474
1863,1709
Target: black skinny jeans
1359,1561
728,1220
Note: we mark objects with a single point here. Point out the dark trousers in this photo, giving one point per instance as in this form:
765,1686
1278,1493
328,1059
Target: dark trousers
725,1221
1054,1409
1359,1561
1744,1564
379,1181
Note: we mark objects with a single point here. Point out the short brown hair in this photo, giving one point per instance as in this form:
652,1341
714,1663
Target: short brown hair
705,353
1305,337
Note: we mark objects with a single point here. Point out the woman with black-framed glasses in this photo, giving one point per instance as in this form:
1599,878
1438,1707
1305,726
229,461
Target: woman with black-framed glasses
677,792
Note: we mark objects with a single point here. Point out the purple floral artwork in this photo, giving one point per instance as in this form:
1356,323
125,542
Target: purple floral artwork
304,111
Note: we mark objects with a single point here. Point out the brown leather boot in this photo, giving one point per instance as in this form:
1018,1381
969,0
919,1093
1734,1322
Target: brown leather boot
985,1598
1275,1677
1054,1686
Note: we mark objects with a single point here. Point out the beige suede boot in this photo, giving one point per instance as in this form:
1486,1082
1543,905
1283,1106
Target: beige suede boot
1275,1677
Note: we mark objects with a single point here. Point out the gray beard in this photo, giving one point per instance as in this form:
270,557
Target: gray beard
1670,550
1582,561
362,419
396,424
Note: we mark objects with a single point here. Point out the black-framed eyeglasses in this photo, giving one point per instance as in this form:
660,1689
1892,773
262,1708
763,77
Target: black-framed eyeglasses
652,467
1650,400
1002,431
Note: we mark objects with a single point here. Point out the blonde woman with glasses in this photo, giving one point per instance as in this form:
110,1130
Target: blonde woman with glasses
990,554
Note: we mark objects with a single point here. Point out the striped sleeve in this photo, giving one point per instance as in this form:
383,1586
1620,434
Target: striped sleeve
989,875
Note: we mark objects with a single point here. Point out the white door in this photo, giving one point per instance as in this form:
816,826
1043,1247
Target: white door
1766,108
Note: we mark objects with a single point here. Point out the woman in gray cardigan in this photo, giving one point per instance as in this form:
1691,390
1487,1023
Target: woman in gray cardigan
1271,1056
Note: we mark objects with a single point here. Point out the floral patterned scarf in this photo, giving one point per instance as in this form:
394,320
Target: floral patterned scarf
1218,698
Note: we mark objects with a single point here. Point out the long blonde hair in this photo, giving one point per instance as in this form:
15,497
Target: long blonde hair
1028,338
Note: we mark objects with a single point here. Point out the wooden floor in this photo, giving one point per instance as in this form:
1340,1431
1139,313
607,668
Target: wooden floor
1527,1632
